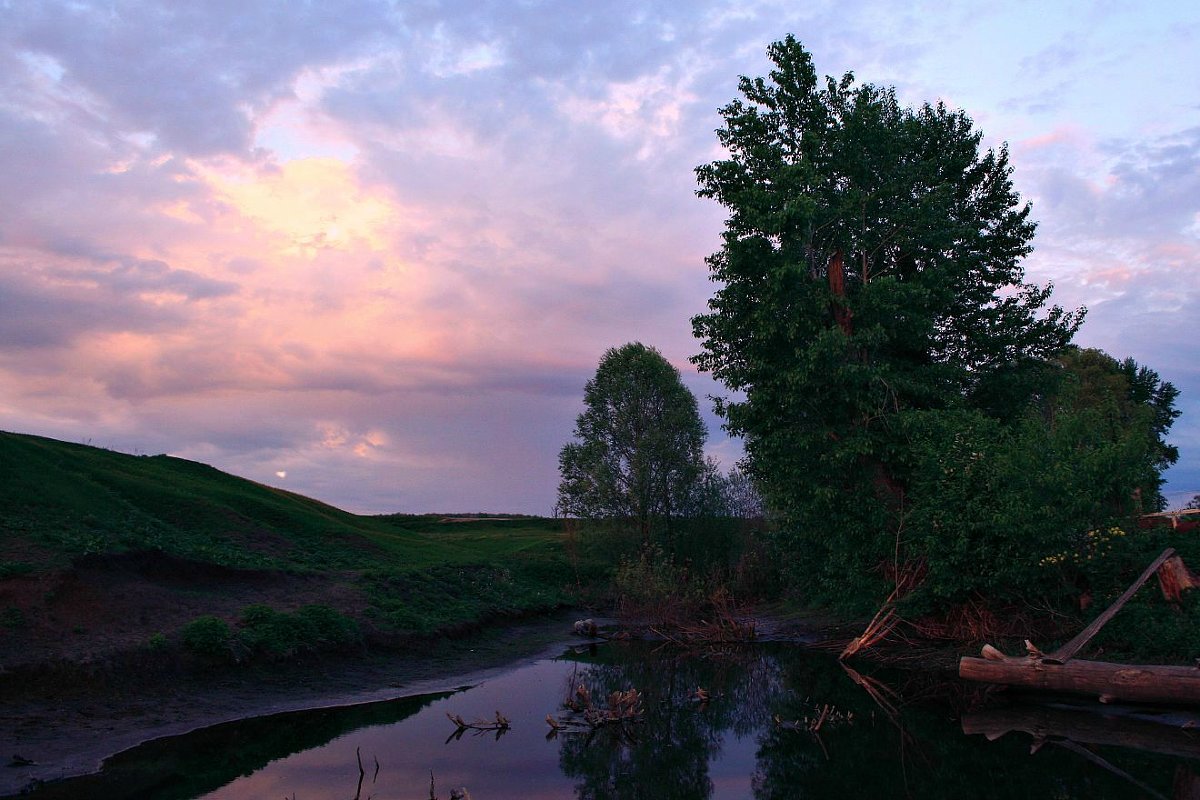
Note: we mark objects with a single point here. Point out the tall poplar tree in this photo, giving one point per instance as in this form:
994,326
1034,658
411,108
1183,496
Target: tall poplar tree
871,267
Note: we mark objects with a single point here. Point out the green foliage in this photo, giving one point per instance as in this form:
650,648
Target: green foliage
653,580
1124,403
423,601
638,461
1149,628
157,643
10,569
990,504
278,635
208,637
910,405
12,618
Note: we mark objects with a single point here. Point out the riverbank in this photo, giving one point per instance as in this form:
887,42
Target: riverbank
69,729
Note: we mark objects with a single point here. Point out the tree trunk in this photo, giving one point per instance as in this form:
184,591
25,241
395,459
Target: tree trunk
1174,578
837,285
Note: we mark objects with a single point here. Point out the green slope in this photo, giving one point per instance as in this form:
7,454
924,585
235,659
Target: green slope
59,501
63,505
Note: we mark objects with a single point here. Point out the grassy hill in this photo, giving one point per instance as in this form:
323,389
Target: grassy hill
93,540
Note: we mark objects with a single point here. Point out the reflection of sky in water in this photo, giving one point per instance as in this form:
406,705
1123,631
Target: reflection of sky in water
726,751
521,764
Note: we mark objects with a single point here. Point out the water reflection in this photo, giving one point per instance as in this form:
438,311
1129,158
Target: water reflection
194,764
682,740
778,722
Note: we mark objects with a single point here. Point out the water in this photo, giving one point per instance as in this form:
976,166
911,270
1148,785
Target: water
887,735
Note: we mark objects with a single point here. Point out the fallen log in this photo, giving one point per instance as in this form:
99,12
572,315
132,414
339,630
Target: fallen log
1140,683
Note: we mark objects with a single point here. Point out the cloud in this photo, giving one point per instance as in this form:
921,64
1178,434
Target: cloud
136,63
380,247
56,302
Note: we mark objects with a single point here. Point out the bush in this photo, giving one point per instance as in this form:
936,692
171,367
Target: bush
329,627
13,618
655,585
208,637
1149,628
10,569
279,635
1036,510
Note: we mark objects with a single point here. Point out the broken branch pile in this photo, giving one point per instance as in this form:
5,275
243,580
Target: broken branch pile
588,715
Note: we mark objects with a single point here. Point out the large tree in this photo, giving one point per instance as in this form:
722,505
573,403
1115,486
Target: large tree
871,267
638,460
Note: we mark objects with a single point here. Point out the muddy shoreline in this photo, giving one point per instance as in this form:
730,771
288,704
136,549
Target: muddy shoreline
70,729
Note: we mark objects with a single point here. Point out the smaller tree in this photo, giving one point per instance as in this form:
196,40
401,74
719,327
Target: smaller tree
742,498
639,460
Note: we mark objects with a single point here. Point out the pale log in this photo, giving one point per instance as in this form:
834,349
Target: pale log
1150,683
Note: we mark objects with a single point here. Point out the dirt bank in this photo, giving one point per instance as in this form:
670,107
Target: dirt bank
106,605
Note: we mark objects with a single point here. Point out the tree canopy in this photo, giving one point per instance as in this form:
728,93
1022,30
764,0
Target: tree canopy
872,313
638,459
867,240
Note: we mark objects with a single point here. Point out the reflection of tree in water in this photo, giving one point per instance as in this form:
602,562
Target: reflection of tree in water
667,755
921,754
925,755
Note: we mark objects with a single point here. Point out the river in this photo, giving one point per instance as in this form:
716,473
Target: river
780,721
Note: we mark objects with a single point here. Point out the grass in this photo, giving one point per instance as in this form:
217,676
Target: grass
60,502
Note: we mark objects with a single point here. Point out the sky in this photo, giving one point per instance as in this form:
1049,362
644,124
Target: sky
371,251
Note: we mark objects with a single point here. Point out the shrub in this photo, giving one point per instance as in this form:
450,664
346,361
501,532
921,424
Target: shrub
655,585
328,626
208,637
13,618
279,635
13,568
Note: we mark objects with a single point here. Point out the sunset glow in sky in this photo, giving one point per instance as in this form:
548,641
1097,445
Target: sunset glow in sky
371,251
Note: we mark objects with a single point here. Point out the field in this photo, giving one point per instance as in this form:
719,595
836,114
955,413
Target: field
105,555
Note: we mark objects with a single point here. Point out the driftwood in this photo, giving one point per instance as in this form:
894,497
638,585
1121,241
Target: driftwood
455,794
587,715
877,629
1141,683
501,725
1060,671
